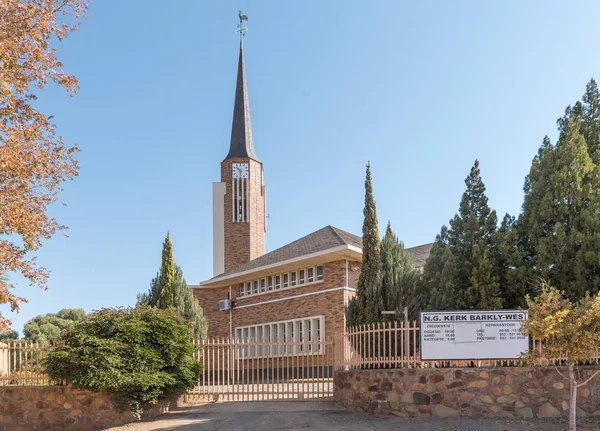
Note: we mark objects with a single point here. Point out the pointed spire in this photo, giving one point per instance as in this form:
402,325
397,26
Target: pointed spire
241,130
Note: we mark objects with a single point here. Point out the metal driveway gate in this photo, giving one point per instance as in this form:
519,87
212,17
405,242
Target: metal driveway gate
245,370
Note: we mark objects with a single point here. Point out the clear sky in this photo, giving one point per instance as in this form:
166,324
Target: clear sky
421,89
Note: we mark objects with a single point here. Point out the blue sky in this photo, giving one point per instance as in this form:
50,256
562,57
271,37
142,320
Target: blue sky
420,89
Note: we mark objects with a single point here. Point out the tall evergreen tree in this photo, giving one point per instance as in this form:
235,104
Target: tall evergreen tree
560,220
508,258
460,272
188,307
169,290
368,293
166,298
398,275
587,113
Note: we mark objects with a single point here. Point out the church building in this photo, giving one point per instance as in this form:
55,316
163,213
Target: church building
297,292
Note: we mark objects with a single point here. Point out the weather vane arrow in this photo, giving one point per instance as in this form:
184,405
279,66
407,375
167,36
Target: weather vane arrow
240,28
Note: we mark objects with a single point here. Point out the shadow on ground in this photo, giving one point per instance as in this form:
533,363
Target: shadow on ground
326,416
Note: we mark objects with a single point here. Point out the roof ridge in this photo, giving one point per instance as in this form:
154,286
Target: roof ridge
335,230
420,245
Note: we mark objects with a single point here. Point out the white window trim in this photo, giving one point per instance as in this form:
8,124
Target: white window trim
248,348
289,286
281,289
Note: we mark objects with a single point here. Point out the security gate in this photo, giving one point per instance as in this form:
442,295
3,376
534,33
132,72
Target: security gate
246,370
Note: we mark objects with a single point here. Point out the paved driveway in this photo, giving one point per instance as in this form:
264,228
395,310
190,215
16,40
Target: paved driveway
312,415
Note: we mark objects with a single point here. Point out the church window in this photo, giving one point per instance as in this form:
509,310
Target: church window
299,277
311,275
301,336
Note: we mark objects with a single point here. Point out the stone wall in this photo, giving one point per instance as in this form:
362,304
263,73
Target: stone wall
503,392
48,408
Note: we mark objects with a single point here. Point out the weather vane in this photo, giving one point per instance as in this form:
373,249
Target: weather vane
240,28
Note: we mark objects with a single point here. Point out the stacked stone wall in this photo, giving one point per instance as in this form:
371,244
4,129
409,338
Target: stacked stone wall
499,392
49,408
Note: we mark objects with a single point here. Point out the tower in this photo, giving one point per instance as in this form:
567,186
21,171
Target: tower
239,200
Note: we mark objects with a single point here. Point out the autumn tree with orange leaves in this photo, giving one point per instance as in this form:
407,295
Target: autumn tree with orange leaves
34,161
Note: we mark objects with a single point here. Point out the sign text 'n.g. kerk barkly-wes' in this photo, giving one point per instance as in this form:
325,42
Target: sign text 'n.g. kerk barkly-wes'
456,335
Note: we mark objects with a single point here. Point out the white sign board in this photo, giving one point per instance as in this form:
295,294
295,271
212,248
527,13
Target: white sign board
447,335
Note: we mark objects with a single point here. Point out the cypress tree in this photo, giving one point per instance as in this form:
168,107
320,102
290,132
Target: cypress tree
169,290
398,275
390,265
188,307
367,305
167,275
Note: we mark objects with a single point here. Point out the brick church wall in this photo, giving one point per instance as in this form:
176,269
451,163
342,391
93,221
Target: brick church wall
330,304
244,241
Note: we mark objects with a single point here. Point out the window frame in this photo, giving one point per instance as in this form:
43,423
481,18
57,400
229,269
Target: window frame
310,275
298,277
294,337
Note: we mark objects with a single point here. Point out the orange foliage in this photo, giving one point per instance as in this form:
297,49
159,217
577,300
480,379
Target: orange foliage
33,160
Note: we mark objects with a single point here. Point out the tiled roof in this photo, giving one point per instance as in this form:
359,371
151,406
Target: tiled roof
323,239
420,254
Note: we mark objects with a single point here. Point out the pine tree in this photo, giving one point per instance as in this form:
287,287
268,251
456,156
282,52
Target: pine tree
560,220
460,272
587,113
437,288
367,305
483,292
508,258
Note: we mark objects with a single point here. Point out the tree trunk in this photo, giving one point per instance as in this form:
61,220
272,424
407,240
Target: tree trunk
573,408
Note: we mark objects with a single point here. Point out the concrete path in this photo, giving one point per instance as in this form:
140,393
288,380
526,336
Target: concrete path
327,416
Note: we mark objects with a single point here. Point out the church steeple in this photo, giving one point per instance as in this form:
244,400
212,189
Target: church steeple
241,144
239,199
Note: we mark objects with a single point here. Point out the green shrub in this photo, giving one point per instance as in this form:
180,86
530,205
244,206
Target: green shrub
138,355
